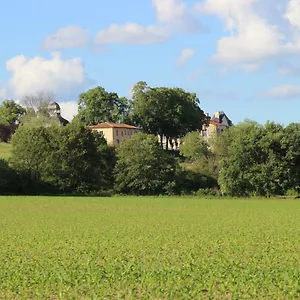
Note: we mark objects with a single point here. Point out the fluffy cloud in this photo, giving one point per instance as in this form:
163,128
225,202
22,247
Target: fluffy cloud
293,13
284,91
65,78
252,38
131,33
68,109
67,37
185,54
173,16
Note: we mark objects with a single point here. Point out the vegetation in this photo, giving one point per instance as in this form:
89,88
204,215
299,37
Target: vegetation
5,150
97,106
156,248
143,168
169,112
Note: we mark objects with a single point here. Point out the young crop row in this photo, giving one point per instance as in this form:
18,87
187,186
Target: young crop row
155,248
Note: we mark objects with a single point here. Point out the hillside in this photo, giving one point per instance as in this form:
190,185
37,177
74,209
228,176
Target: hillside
5,150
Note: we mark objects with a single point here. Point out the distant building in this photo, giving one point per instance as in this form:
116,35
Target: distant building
217,124
115,133
55,113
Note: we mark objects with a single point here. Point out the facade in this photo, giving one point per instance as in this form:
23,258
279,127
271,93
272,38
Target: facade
217,124
115,133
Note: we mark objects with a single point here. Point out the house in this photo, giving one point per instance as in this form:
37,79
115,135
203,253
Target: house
217,124
115,133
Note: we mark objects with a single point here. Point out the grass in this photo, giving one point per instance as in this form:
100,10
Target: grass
5,150
149,248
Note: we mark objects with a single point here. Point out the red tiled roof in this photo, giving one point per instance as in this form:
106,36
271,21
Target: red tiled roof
216,123
112,125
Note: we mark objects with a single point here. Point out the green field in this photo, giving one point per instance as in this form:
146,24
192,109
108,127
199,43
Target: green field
5,150
149,248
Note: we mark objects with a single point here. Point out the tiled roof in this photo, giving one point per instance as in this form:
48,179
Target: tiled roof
112,125
216,123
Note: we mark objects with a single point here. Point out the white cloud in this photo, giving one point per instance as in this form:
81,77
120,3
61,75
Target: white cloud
68,109
65,78
185,54
252,38
173,16
293,13
132,33
284,91
3,91
66,37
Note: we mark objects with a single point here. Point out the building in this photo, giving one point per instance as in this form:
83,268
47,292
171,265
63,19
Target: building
217,124
55,114
115,133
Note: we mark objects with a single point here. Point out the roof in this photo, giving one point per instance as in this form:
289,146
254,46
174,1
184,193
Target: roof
212,122
112,125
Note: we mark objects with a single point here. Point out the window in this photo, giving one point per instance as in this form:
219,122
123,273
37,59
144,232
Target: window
118,141
122,133
117,132
101,132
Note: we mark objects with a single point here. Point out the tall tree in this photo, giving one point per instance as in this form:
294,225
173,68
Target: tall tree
97,106
169,112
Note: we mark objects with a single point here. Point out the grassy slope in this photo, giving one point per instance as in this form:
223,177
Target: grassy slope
167,248
5,150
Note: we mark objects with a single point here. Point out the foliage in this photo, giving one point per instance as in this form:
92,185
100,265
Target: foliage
148,248
169,112
66,158
10,113
97,106
8,179
143,168
256,163
193,146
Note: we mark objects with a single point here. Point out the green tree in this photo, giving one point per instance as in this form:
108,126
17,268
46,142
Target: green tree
10,112
193,146
255,163
169,112
97,106
143,168
71,159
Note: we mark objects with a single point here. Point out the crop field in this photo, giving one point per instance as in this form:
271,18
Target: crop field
149,248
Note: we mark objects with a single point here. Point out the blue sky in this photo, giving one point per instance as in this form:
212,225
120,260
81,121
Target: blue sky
239,56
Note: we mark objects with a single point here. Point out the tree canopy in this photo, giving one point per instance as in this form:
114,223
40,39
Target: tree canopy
169,112
97,106
143,168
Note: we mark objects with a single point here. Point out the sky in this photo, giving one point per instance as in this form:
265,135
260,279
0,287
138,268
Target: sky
239,56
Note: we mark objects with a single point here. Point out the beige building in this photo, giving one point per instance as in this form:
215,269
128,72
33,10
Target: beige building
217,124
115,133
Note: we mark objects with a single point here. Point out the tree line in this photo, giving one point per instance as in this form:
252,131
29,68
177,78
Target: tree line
248,159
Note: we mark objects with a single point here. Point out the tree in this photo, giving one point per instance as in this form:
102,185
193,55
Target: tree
11,112
255,163
97,106
71,159
143,168
199,157
39,102
193,146
169,112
